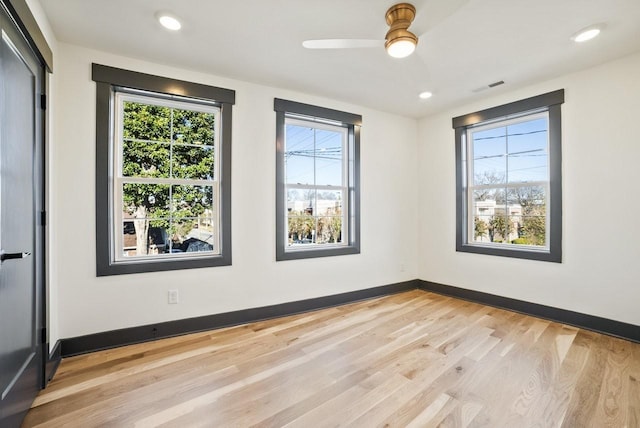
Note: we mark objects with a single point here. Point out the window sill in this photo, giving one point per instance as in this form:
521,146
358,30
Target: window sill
121,268
310,253
518,253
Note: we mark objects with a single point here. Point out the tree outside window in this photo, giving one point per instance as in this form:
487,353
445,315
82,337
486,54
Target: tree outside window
168,178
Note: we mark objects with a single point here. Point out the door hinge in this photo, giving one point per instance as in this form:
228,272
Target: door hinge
43,101
43,218
43,336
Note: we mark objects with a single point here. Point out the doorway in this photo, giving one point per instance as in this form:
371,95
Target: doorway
21,228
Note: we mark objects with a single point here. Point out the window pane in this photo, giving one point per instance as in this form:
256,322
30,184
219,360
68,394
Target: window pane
144,236
329,203
145,159
481,226
490,222
328,156
532,230
193,162
299,155
145,200
301,201
489,156
192,201
528,154
146,122
530,199
501,228
193,127
203,228
301,228
187,237
329,217
490,196
529,210
329,230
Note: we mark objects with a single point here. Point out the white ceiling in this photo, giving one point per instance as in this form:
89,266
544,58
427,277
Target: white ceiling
464,44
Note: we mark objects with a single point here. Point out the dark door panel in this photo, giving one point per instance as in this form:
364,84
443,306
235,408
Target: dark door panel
21,292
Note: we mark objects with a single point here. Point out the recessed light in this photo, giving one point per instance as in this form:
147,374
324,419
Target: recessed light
586,34
169,21
425,95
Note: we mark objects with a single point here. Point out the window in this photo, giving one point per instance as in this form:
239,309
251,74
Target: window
163,151
509,179
317,174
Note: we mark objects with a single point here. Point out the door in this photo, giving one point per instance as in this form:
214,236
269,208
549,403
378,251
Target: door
21,249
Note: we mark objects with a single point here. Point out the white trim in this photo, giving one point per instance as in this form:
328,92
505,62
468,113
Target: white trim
117,180
326,125
470,178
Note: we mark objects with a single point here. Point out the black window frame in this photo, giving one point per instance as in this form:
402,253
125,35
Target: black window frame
108,81
353,123
550,102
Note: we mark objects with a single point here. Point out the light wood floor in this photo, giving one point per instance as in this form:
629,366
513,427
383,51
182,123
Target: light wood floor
413,359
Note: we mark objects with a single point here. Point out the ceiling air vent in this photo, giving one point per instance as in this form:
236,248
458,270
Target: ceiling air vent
489,86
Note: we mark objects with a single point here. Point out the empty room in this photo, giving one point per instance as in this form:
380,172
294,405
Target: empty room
364,213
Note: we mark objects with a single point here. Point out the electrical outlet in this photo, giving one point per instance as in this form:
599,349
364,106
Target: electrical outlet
402,267
173,297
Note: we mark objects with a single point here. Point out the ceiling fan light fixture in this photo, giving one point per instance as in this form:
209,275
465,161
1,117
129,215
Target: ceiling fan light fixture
399,41
401,47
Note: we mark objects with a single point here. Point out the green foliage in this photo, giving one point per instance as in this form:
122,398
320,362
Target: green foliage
302,228
163,142
146,122
500,225
521,241
534,229
480,227
329,229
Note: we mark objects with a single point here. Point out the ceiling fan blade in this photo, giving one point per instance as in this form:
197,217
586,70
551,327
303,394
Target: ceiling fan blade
342,43
435,12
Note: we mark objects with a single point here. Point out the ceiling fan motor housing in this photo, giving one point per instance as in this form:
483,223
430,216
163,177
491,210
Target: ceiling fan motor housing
399,18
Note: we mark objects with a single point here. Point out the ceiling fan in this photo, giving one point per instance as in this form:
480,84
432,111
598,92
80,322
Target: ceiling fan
399,41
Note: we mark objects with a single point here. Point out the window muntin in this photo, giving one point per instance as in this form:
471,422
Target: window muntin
508,183
316,184
509,179
165,186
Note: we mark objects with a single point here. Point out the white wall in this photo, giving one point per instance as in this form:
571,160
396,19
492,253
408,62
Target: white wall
88,304
600,273
600,269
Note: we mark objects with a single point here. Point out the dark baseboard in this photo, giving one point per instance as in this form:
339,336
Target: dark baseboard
53,361
590,322
128,336
131,335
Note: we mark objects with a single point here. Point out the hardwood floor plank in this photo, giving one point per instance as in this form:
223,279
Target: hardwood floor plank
410,359
584,401
550,408
614,394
